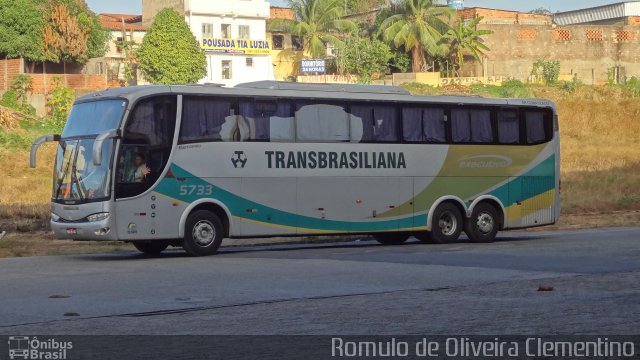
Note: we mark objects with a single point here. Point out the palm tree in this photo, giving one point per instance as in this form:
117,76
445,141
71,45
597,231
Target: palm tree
317,22
466,38
417,25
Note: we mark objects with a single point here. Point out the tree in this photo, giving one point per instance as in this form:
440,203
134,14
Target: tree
73,32
361,6
169,53
364,57
21,27
540,11
417,25
317,23
466,38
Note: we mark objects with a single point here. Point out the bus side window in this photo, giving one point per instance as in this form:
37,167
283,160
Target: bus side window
321,122
508,127
424,125
536,130
379,123
207,119
266,121
471,126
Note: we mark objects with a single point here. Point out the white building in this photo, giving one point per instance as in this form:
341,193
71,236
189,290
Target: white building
232,32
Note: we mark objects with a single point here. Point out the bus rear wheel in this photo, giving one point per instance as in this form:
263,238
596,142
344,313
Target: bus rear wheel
391,238
483,224
203,233
446,223
151,247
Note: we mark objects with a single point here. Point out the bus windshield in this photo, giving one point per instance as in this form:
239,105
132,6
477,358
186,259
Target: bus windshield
76,178
94,118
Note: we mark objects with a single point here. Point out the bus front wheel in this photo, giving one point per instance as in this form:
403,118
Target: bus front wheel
151,247
391,238
203,233
446,223
483,224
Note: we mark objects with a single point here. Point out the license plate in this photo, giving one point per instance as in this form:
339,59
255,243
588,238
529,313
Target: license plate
72,231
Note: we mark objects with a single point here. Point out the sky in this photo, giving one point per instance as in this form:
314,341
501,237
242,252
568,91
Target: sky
135,6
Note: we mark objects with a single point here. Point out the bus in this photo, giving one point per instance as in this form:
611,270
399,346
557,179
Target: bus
190,165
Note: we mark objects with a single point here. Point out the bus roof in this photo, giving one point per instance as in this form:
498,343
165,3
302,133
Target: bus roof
275,89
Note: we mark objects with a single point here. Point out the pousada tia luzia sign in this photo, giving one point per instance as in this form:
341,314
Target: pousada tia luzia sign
237,46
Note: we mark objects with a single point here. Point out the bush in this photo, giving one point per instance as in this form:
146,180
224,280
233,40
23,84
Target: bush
59,102
17,97
548,69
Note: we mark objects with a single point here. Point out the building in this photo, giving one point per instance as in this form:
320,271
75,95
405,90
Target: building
127,32
287,50
503,17
232,32
623,13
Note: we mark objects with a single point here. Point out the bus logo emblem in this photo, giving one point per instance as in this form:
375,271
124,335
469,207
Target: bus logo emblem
239,159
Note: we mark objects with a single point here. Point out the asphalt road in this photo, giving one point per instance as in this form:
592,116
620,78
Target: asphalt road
346,288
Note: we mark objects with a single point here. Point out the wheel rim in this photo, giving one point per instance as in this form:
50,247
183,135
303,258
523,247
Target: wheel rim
204,233
485,223
448,223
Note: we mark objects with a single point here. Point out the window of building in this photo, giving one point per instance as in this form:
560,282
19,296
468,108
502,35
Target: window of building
249,62
471,126
277,42
207,119
207,31
424,125
508,127
321,122
244,32
266,121
297,43
374,123
226,69
226,31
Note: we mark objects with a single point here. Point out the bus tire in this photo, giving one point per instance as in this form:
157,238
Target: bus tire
151,247
203,233
482,226
391,238
446,223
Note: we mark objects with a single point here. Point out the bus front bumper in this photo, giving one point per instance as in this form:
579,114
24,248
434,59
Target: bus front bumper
103,230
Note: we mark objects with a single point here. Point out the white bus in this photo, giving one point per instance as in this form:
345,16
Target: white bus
190,165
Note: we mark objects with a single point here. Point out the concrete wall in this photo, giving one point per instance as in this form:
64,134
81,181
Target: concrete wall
585,50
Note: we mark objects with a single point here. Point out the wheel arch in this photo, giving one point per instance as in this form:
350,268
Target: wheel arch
212,205
449,198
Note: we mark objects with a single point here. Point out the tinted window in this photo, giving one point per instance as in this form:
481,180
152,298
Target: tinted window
424,125
266,121
93,118
321,122
535,127
371,123
471,126
508,127
207,119
152,122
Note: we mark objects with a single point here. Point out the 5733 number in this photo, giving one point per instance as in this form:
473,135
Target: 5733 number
199,190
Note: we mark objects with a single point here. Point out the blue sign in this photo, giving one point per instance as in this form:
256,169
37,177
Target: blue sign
313,66
456,4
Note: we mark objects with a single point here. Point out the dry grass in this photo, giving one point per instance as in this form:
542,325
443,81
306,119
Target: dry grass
600,155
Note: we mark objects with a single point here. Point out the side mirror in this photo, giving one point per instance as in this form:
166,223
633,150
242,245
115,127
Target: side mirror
36,144
97,146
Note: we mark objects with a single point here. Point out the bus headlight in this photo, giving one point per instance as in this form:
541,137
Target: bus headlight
97,217
55,217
